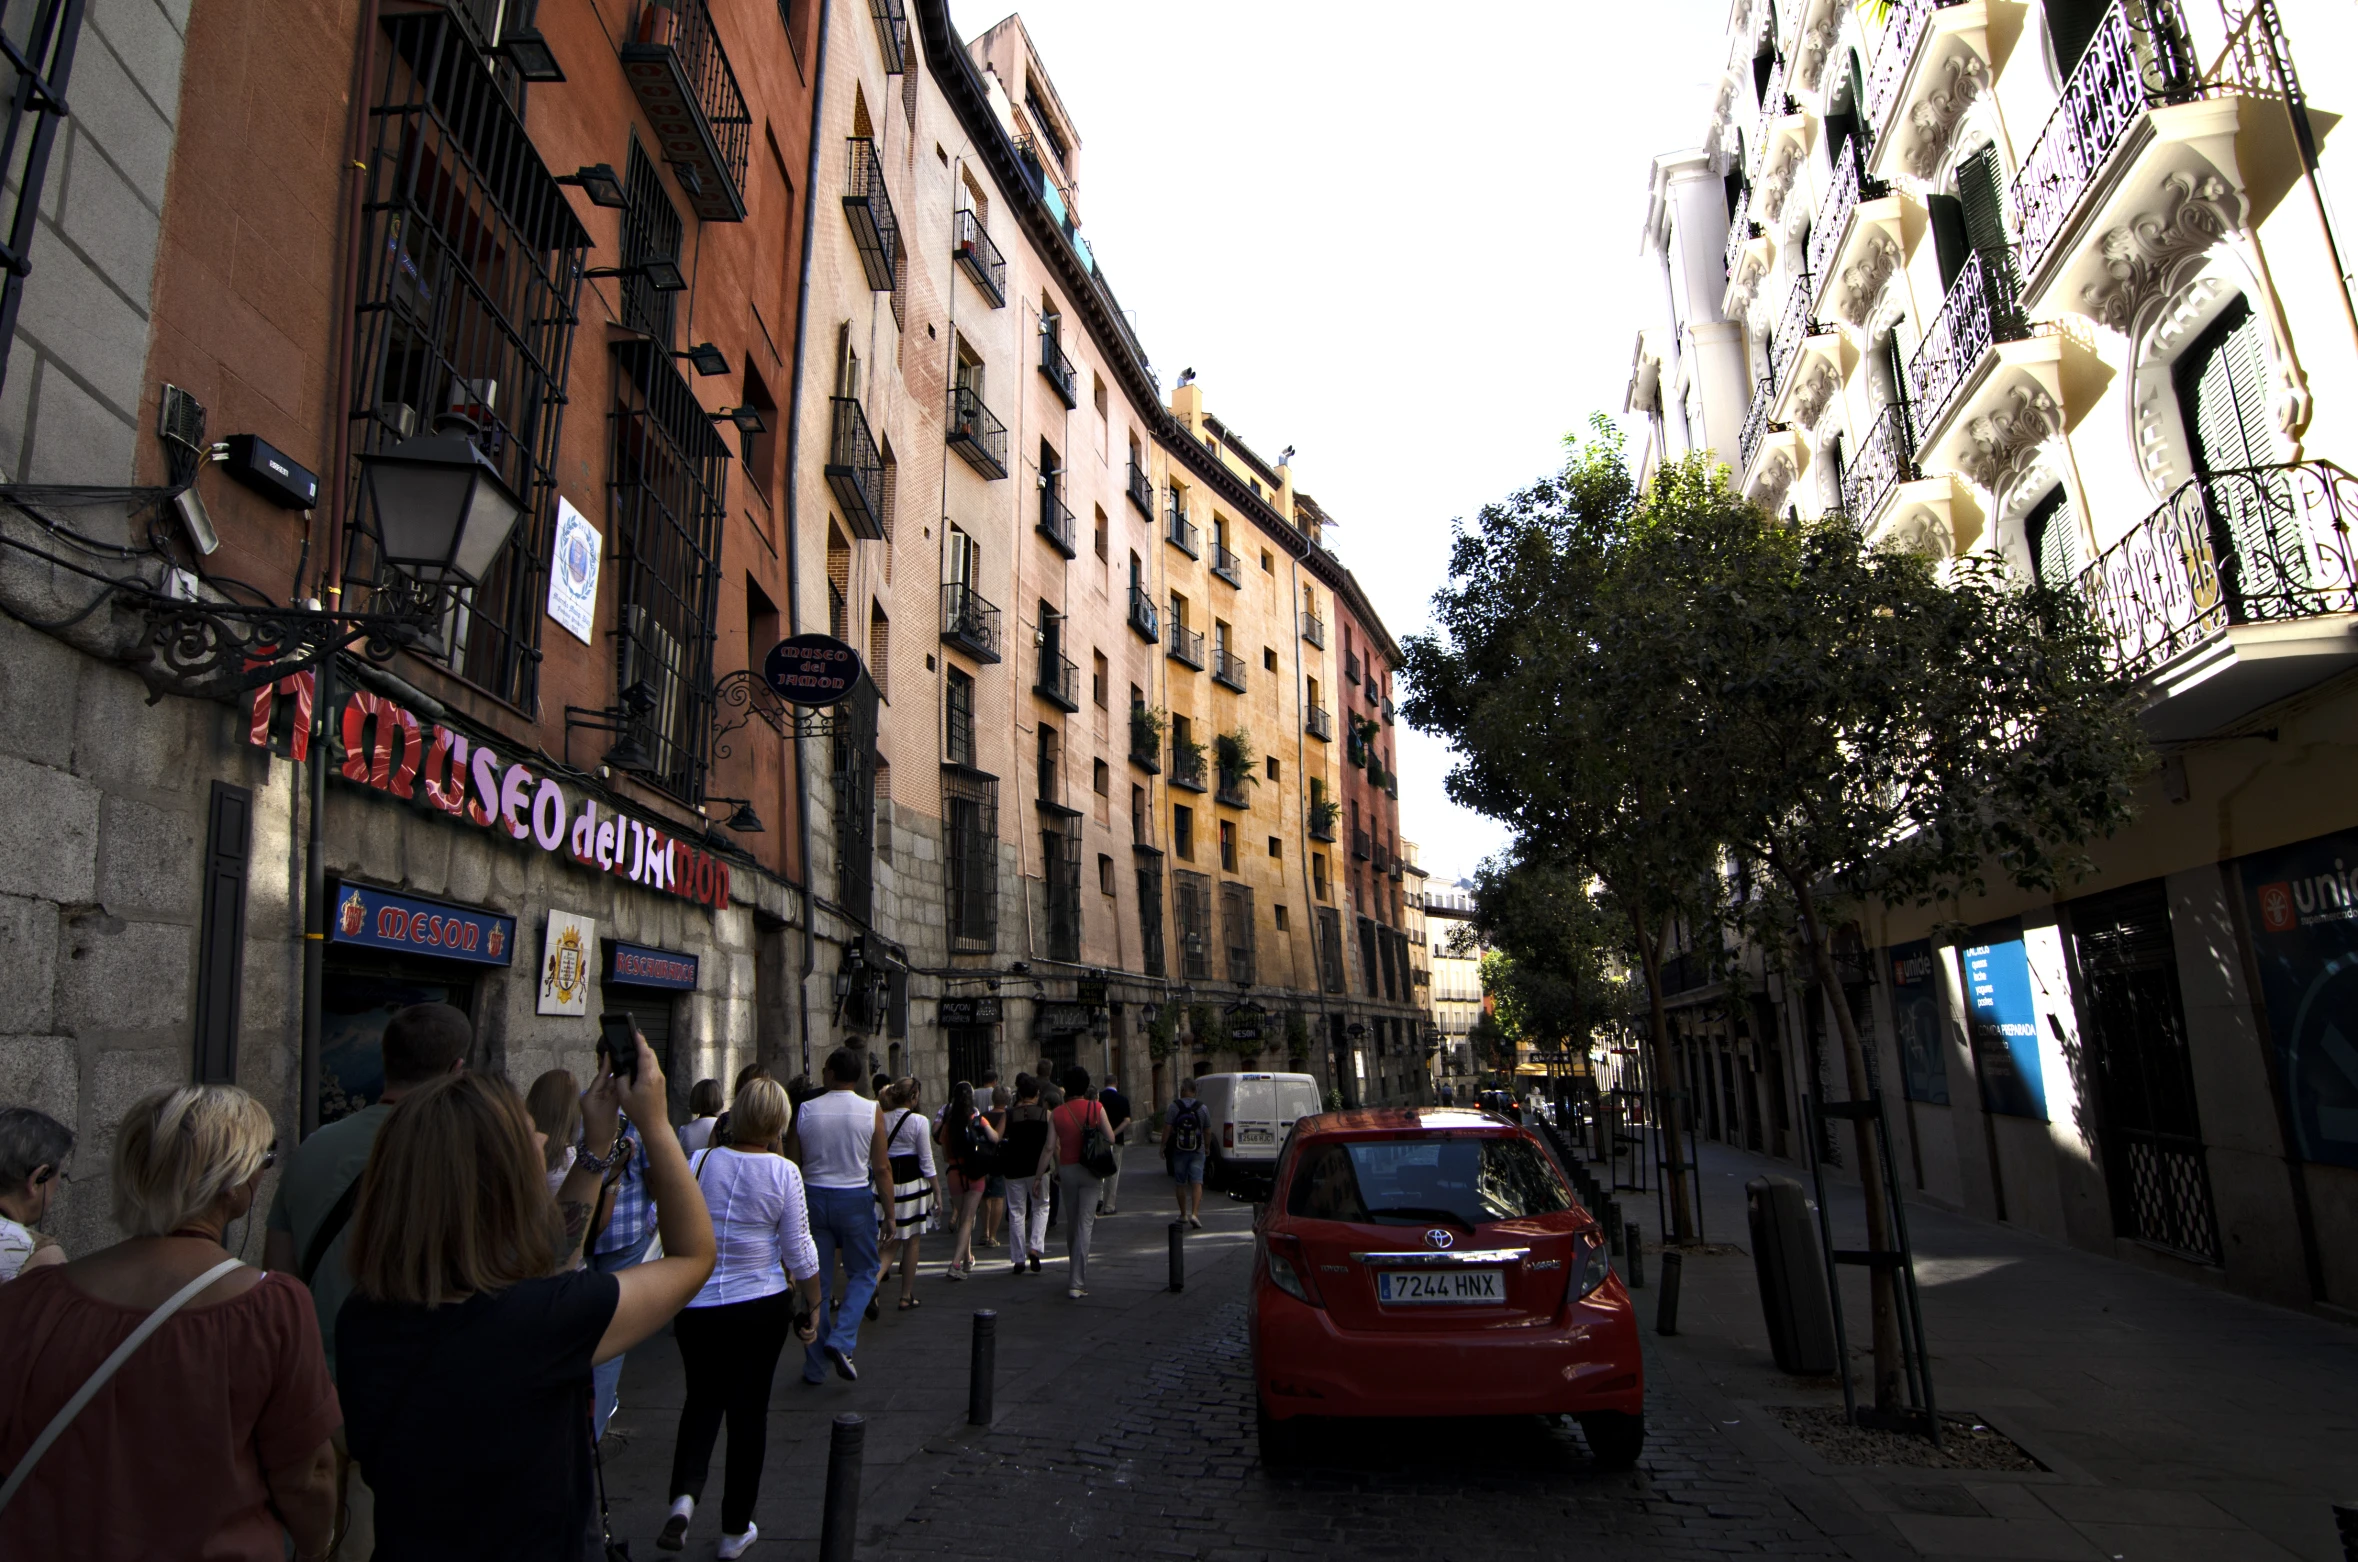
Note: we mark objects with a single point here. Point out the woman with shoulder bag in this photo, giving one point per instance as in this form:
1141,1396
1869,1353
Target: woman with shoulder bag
971,1144
1084,1155
1027,1159
910,1148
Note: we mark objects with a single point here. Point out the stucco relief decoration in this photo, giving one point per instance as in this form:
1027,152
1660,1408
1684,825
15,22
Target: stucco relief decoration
1863,280
1776,480
1923,533
1751,266
2145,257
1817,389
2002,445
1819,43
1965,77
1777,182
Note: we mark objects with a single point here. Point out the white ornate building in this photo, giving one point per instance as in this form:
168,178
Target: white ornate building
2066,282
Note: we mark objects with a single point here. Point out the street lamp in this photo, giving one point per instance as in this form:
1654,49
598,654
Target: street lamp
443,511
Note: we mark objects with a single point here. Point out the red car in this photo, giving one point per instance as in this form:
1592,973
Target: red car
1433,1261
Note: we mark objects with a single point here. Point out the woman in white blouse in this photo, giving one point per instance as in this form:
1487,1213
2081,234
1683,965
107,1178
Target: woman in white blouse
908,1140
732,1333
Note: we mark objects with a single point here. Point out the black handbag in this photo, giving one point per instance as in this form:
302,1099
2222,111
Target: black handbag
1097,1148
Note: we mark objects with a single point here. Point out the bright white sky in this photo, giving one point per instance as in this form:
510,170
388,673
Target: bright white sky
1400,239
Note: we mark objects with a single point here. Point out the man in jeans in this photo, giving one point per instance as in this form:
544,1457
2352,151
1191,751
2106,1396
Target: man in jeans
1184,1135
839,1139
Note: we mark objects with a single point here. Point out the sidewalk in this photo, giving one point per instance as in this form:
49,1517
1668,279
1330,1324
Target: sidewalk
1056,1357
2174,1421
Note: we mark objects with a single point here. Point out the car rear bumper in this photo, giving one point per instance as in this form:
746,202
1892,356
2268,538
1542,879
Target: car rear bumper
1587,1361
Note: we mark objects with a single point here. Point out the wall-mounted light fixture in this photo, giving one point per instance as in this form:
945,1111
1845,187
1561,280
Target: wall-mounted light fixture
600,183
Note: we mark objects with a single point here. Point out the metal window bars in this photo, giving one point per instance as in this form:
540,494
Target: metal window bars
1774,102
854,769
978,257
650,232
1237,933
470,270
1150,910
1187,764
1851,186
1756,422
970,804
1903,30
1060,848
667,501
1792,330
876,232
681,75
958,721
40,60
975,434
1741,230
1330,949
892,33
1983,308
1191,896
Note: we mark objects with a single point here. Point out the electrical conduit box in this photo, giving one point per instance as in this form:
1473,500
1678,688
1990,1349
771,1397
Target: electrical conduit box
271,472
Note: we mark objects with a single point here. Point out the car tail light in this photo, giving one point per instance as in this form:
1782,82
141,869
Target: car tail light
1228,1136
1289,1271
1592,1261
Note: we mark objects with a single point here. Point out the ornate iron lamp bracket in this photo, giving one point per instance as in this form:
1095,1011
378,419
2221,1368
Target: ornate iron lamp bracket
218,650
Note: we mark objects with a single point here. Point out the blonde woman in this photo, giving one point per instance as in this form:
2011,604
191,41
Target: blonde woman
227,1403
733,1331
908,1142
464,1354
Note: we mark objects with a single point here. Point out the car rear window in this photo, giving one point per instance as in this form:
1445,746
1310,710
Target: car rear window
1468,1178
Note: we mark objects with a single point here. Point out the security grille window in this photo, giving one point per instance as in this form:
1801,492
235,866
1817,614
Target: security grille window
855,800
650,232
1330,949
1367,955
471,254
1318,874
1062,849
2052,532
670,471
958,719
1183,832
1236,933
1384,961
1150,912
1051,755
1191,906
970,833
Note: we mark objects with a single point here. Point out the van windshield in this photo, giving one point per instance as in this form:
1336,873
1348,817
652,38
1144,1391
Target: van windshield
1469,1179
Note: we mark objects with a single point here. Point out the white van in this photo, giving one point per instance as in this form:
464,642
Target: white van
1250,1115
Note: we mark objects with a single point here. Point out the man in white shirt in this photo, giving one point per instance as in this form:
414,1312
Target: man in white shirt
839,1141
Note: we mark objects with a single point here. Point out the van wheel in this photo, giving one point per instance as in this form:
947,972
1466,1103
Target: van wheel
1281,1441
1614,1440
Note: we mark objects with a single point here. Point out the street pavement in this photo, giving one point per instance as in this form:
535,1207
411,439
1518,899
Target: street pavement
2174,1422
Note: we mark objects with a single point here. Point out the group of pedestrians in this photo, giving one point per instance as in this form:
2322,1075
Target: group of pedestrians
452,1278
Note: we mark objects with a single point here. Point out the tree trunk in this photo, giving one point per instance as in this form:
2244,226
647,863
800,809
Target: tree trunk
1671,1115
1881,1229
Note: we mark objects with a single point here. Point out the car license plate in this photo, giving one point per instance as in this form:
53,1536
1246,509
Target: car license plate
1256,1135
1441,1285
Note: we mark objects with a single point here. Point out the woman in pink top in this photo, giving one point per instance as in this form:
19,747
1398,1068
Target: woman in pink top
1082,1186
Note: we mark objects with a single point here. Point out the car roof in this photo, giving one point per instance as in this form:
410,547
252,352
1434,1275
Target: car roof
1385,1121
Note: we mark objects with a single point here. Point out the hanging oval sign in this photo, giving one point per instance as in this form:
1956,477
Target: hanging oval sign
811,670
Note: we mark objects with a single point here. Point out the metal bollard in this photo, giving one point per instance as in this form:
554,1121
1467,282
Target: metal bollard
1666,1310
1178,1255
1636,1246
2345,1515
1610,1218
982,1367
839,1526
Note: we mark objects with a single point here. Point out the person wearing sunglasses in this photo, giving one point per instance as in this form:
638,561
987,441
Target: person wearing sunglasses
34,1149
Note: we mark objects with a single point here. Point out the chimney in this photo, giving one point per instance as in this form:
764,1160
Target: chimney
1187,403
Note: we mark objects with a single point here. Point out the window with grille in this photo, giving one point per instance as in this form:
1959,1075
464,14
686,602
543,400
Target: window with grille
970,839
1236,933
880,651
1228,846
650,231
1330,949
1062,850
1191,904
1183,832
1051,747
1318,873
855,799
1367,955
958,719
469,281
668,489
1150,912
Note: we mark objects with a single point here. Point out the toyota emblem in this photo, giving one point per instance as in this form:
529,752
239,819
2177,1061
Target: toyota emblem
1438,1238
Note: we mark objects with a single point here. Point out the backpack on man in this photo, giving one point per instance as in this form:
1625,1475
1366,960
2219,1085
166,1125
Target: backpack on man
1187,1127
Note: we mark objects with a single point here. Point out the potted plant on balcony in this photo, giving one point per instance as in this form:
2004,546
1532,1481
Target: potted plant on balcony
1187,759
1146,729
1323,813
1233,752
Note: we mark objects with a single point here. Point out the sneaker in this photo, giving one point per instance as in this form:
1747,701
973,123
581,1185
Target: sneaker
675,1528
843,1369
737,1545
1076,1292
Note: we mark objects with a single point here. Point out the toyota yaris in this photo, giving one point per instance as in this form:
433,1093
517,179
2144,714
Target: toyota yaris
1434,1262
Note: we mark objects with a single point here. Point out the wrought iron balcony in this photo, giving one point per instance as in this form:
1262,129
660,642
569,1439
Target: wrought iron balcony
1057,370
1141,491
683,82
1886,458
1756,422
1143,616
1792,330
1851,186
1314,629
2140,56
1903,31
855,469
1056,521
1318,722
1382,859
875,230
1146,743
2262,545
1351,668
1229,668
1983,308
969,622
1773,103
1184,644
976,434
1059,682
1225,565
1361,847
1187,765
1741,229
978,257
1232,791
1321,819
892,33
1179,531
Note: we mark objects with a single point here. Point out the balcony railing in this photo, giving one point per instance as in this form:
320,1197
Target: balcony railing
855,469
1351,668
1058,371
2140,56
1903,30
1791,332
1318,722
1187,765
1141,491
1756,422
1229,668
682,80
892,33
1773,103
1741,229
976,434
2261,545
1184,644
1225,565
1851,186
1314,629
1231,790
1360,845
978,257
1983,308
1056,521
1059,682
970,622
1143,616
1179,531
875,230
1146,744
1321,820
1886,458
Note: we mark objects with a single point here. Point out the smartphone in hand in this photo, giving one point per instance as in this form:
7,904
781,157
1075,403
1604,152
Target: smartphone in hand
618,1045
